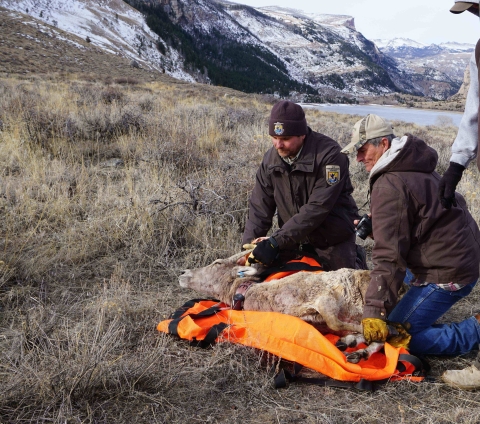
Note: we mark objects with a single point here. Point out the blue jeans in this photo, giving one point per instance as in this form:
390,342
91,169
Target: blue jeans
421,307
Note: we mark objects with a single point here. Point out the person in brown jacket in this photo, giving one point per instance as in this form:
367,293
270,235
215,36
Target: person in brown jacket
305,179
413,231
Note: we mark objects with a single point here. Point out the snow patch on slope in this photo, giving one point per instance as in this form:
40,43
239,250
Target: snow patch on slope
397,42
110,24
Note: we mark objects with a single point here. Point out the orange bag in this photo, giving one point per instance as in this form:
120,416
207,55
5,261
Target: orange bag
288,337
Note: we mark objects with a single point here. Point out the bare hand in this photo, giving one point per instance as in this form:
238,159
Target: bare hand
259,239
356,221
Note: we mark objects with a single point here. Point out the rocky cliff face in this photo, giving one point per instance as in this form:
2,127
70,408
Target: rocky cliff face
324,51
461,95
465,83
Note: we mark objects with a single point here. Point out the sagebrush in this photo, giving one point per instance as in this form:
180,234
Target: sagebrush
109,190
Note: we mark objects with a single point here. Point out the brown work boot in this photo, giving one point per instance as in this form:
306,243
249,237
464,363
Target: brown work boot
466,379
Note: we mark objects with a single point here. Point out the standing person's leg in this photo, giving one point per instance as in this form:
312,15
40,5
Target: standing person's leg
421,307
466,379
341,255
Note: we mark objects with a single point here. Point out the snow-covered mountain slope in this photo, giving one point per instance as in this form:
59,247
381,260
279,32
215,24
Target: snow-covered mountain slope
109,24
440,68
29,46
397,43
441,63
274,50
335,21
458,47
324,51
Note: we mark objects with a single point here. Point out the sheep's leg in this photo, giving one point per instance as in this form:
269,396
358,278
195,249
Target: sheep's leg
353,340
350,340
355,357
328,308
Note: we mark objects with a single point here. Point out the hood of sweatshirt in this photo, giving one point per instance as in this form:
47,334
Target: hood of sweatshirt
406,154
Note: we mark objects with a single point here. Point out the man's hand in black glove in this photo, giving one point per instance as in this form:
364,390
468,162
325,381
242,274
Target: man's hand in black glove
448,183
265,252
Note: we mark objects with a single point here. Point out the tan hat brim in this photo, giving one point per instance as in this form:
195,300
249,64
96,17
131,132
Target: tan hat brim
352,147
460,7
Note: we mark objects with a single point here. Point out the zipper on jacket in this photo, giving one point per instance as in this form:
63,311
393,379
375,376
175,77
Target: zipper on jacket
293,194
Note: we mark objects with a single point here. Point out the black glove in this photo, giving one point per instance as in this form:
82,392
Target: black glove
265,252
448,183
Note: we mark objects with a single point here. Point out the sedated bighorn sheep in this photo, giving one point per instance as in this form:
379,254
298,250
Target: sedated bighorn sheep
331,301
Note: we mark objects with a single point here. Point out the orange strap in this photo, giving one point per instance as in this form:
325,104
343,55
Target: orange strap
287,337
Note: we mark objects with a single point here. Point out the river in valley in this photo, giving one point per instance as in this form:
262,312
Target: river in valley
416,116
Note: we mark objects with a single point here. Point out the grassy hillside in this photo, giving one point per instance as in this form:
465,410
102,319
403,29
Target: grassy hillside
107,192
28,47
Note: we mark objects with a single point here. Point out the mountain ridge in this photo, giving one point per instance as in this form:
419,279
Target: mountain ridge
272,50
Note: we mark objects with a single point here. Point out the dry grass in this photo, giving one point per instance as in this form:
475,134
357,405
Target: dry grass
454,103
107,192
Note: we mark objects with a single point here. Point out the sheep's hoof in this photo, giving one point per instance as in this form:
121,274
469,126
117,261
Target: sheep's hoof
341,345
355,357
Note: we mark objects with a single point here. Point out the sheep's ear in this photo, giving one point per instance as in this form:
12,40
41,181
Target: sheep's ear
249,246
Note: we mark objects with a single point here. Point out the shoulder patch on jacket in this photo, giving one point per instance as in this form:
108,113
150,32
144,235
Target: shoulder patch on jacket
332,173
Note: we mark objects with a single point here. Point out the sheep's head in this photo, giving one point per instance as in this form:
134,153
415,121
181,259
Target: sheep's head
215,279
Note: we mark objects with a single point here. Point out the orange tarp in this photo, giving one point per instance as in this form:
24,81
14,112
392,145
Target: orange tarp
292,339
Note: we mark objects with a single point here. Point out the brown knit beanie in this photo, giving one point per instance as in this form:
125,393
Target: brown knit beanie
287,119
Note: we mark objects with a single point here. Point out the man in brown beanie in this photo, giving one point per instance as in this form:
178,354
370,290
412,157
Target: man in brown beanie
305,178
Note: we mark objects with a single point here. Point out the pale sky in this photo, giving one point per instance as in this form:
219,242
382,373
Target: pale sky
425,21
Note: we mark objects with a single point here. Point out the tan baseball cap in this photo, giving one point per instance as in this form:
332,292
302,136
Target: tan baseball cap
461,6
372,126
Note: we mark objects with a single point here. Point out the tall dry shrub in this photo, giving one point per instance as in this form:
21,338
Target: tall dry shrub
176,190
115,191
